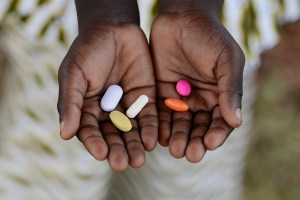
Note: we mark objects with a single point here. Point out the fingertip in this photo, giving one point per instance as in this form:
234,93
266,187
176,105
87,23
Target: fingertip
232,117
195,151
138,161
136,153
97,148
119,167
149,137
150,146
62,124
70,125
230,107
210,143
66,136
164,134
238,116
213,140
100,156
118,160
62,135
66,133
177,146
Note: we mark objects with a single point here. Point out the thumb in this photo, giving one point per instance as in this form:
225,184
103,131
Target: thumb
229,72
72,87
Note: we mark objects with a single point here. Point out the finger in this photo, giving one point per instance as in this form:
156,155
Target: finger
165,90
143,84
196,150
229,73
148,123
218,131
91,137
134,146
181,125
117,156
164,126
147,118
72,87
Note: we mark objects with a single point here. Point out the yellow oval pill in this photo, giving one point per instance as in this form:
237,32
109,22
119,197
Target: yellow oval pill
120,121
176,104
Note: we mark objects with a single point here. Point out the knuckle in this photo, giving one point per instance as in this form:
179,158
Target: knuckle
70,68
233,53
238,89
71,64
242,56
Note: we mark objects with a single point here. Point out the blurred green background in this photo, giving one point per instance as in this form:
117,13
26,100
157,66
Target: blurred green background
273,161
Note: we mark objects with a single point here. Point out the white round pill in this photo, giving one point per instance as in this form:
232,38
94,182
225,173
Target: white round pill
137,106
111,98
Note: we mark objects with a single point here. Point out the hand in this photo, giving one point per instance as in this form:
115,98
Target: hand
192,44
99,57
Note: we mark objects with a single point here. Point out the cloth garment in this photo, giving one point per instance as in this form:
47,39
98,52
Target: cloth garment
36,164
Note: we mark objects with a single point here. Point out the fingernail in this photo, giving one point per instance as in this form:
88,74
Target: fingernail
238,115
61,126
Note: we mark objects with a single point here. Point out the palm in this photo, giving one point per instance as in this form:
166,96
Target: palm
190,46
97,59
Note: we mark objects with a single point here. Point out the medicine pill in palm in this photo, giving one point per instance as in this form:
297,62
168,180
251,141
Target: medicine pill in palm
183,88
137,106
120,121
176,104
111,98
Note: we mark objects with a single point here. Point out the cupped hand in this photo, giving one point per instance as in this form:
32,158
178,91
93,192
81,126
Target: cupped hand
99,57
195,46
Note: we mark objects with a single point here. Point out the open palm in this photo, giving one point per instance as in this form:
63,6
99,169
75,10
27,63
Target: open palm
102,56
196,47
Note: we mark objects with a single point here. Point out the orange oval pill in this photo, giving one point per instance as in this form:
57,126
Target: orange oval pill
176,104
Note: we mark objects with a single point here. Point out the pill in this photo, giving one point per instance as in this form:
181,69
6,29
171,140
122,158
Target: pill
111,98
183,87
120,121
137,106
176,104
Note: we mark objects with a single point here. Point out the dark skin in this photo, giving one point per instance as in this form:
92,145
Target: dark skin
105,53
199,49
188,42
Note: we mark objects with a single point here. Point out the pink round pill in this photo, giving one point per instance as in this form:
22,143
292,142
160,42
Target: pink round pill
183,87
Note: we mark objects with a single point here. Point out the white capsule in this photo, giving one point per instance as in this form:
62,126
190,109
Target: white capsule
111,98
137,106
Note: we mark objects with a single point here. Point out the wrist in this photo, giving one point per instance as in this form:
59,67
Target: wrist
97,12
179,6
